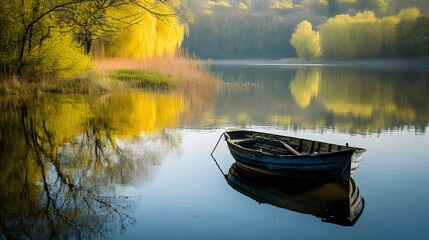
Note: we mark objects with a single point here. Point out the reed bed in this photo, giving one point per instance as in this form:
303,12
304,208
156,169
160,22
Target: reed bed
198,85
195,78
192,71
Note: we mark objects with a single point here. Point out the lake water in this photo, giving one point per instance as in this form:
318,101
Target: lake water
138,165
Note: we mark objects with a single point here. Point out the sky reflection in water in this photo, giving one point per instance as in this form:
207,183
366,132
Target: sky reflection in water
137,165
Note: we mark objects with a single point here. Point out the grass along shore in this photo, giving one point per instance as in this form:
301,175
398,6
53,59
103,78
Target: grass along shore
145,79
119,74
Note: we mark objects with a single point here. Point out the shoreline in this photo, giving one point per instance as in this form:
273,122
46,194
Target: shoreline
295,62
156,74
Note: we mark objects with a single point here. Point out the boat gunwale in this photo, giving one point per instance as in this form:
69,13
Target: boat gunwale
308,155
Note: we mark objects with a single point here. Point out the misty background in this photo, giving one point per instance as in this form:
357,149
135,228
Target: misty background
337,29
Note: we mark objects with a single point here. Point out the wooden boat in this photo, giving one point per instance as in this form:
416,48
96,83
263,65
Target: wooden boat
331,202
292,157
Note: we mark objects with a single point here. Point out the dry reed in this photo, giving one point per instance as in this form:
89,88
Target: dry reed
192,71
198,87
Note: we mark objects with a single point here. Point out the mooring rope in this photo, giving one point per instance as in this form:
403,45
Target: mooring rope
218,166
216,144
211,154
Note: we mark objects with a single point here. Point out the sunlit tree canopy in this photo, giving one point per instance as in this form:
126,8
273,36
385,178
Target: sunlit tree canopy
151,36
306,41
264,28
364,35
57,37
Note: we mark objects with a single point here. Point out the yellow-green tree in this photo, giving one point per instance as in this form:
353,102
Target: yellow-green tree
411,35
32,39
366,36
350,37
306,41
148,35
55,36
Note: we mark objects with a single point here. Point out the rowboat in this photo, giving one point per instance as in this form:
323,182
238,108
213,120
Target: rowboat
331,202
292,157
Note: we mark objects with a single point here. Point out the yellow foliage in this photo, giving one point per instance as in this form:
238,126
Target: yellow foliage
409,14
63,118
305,87
344,92
60,55
360,36
282,4
151,36
380,5
218,4
208,12
34,38
343,108
351,37
209,119
281,120
306,41
323,2
404,113
242,119
242,6
133,113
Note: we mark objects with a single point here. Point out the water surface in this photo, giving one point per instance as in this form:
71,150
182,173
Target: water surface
138,165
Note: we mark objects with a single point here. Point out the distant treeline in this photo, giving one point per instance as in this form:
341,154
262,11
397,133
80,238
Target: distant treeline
331,29
242,36
365,36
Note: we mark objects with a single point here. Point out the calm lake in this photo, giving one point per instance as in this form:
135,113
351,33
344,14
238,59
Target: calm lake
138,165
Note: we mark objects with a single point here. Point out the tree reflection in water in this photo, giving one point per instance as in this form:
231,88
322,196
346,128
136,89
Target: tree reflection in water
60,165
364,99
348,99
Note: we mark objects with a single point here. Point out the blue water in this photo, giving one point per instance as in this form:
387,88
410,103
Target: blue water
189,198
169,187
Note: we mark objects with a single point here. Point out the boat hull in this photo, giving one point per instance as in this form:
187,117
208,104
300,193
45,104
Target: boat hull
336,164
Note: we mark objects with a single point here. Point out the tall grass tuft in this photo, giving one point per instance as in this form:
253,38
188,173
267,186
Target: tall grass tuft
182,73
144,79
198,84
192,71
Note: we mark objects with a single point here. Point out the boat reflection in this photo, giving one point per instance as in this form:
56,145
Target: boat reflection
331,202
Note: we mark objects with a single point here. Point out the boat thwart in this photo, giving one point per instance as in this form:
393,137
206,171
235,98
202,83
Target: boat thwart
285,156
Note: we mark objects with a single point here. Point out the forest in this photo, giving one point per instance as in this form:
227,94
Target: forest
309,29
60,37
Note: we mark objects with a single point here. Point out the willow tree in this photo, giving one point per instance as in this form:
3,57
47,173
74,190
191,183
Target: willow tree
146,35
36,33
306,41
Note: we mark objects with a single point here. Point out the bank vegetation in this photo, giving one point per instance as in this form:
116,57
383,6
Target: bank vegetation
51,46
